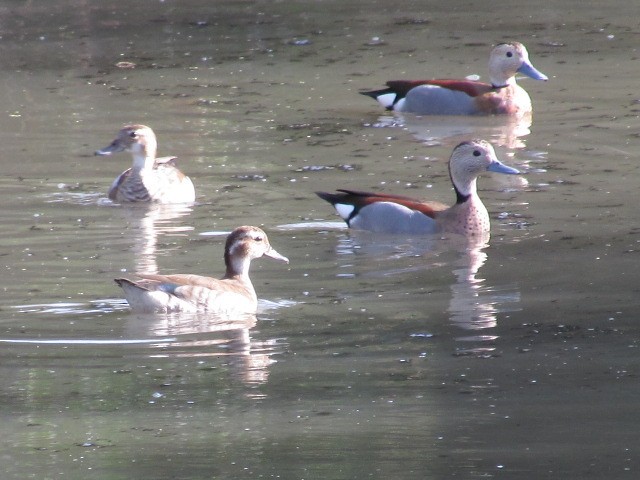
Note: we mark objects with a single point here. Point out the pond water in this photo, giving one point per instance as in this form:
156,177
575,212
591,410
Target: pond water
371,356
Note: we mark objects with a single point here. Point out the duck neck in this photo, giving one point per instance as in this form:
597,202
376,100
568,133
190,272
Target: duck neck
464,187
236,267
144,157
461,197
238,271
501,81
140,163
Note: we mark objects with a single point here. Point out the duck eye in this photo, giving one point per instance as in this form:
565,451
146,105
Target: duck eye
258,238
476,153
133,134
509,54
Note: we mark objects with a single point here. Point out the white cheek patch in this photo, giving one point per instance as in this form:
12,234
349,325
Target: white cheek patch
386,99
344,210
233,248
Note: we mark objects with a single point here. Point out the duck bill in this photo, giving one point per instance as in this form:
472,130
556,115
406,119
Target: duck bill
271,253
115,147
530,71
499,167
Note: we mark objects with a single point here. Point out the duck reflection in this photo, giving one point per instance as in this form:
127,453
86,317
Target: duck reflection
474,305
502,131
205,336
466,307
149,223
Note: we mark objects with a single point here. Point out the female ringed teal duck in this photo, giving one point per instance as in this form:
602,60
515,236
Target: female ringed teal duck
387,213
467,97
189,293
150,179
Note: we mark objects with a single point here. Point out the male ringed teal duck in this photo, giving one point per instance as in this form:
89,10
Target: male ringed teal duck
467,97
150,179
189,293
388,213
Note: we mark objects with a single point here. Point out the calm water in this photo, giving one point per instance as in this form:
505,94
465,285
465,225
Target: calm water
371,356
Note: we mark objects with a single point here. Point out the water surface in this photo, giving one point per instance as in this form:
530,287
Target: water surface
371,356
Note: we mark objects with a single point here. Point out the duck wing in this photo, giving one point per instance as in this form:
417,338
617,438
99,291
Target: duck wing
165,161
184,279
470,87
360,199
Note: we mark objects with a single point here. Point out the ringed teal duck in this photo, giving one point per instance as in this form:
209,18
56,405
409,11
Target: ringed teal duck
189,293
150,179
467,97
387,213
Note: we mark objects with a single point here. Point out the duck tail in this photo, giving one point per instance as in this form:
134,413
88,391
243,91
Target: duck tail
385,97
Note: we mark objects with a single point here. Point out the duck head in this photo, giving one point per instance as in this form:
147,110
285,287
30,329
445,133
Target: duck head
470,159
137,139
508,59
245,244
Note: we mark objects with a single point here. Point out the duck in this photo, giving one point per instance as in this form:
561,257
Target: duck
467,97
190,293
395,214
150,179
